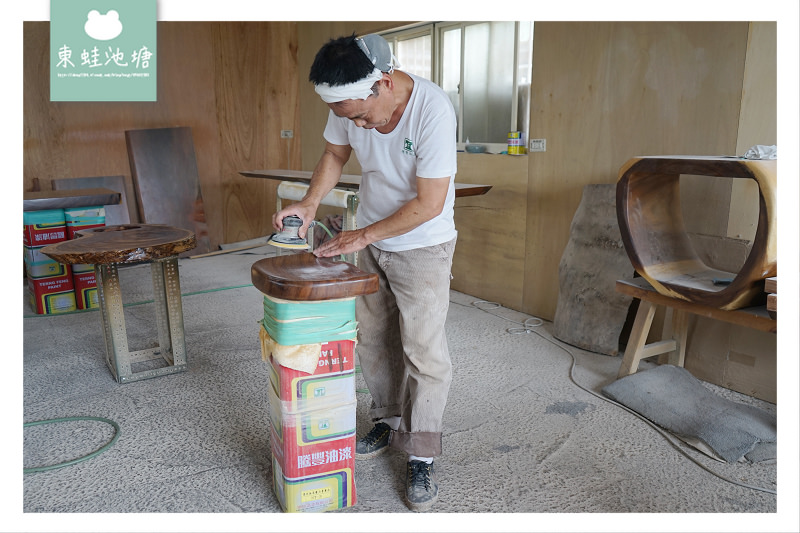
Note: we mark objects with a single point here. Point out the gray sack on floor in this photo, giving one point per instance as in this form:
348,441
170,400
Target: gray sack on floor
672,398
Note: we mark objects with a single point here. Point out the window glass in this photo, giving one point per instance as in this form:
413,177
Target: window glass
484,67
488,83
416,55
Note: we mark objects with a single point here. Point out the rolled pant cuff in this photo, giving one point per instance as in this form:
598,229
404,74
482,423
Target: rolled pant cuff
421,443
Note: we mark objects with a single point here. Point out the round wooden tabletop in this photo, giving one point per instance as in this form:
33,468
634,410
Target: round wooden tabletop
306,277
125,243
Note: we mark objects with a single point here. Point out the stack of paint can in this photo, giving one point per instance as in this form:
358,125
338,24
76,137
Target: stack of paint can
309,350
83,277
50,285
54,287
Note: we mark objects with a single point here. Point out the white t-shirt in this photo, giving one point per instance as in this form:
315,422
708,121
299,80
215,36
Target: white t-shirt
423,144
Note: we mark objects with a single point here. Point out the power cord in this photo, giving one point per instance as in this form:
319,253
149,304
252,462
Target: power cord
530,325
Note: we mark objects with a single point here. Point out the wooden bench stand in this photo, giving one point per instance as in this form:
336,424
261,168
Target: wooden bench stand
672,347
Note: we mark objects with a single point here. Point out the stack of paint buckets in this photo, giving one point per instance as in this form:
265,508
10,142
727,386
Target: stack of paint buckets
309,349
54,287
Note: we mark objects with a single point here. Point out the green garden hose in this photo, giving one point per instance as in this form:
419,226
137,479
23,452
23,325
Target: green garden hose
79,459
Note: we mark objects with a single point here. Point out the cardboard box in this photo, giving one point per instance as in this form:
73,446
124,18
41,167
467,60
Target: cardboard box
38,265
41,228
52,295
317,493
86,296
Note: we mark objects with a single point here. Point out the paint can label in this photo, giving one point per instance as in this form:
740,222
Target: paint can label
516,143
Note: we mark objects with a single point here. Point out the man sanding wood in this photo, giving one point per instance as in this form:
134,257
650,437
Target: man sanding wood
402,129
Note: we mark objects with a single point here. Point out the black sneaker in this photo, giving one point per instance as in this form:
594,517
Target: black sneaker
374,443
421,489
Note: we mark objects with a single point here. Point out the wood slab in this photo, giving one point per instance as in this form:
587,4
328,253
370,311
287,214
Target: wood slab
305,277
164,172
41,200
120,213
133,243
651,224
590,314
349,181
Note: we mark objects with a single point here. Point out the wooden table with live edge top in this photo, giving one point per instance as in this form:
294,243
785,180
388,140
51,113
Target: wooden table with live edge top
110,247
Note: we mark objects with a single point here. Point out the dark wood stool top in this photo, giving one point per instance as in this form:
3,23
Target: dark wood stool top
304,277
125,243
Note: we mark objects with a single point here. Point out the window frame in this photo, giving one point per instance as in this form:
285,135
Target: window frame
436,30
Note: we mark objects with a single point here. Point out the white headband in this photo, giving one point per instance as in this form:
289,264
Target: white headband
358,90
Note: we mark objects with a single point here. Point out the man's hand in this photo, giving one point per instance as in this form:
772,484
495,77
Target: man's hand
345,242
305,213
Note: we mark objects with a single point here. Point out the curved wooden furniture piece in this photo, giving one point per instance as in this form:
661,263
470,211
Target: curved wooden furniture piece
651,224
304,277
110,246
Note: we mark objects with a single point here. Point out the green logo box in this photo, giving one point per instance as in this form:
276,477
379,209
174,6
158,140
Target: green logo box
103,51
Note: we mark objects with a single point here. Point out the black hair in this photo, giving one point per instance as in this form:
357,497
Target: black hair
339,62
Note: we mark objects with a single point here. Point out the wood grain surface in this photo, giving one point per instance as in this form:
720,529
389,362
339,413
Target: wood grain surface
133,243
164,170
305,277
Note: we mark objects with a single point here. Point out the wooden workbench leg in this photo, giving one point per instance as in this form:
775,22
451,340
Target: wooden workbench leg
678,332
638,338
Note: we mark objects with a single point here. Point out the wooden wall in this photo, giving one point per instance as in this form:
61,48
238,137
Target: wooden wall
605,92
234,84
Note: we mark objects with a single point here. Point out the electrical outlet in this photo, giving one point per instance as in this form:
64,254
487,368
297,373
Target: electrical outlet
538,145
287,134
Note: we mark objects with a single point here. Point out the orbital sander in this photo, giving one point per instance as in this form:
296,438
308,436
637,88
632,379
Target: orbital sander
289,237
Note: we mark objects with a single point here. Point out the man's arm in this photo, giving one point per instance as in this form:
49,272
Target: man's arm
429,202
325,177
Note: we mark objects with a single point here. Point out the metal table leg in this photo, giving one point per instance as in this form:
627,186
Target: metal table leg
169,317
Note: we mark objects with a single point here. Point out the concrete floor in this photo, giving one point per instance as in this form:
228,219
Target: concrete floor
530,443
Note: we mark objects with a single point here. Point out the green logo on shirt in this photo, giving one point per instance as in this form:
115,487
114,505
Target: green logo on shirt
408,146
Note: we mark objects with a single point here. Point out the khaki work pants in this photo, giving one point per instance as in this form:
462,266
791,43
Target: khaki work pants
402,347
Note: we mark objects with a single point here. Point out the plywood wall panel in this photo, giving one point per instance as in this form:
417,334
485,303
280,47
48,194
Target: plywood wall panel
757,122
43,126
257,97
489,260
605,92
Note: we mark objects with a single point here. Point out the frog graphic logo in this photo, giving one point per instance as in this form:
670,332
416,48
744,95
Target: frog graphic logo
103,27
